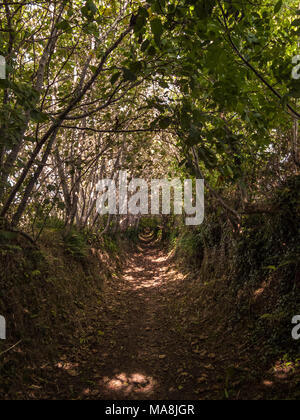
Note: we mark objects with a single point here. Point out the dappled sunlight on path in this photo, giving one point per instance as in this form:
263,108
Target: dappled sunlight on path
140,335
155,336
152,273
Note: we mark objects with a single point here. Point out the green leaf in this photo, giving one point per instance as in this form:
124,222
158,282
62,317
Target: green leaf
151,51
143,12
145,45
94,68
136,67
128,75
38,116
278,6
91,6
89,10
64,25
91,29
204,8
294,93
115,78
295,89
296,22
4,84
139,24
157,27
165,123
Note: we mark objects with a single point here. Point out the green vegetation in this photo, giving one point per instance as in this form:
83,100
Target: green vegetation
163,89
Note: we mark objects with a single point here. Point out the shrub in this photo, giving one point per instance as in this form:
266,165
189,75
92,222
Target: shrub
76,244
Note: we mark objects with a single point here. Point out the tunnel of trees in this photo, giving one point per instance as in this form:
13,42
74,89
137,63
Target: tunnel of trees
133,307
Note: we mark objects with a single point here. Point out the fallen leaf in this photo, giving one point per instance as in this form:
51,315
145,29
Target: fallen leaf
209,367
73,373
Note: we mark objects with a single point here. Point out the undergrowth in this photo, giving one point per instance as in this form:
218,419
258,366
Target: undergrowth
48,293
250,279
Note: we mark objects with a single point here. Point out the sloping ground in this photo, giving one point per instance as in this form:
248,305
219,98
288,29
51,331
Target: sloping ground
48,295
151,332
156,335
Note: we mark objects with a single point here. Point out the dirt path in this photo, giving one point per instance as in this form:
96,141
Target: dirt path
136,349
153,337
144,352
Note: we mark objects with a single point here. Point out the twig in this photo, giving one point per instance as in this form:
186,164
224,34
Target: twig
12,347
